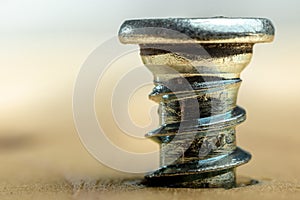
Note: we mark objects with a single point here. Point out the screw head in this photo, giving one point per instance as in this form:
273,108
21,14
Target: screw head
196,30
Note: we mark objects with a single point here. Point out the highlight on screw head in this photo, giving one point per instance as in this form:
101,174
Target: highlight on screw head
196,64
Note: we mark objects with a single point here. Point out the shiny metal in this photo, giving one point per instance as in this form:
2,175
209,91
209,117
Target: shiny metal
196,63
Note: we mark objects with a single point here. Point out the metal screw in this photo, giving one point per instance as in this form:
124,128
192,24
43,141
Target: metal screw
196,63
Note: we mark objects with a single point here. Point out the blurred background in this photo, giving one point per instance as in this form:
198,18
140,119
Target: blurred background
43,45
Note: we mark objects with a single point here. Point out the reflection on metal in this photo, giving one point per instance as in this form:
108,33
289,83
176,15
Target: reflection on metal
196,63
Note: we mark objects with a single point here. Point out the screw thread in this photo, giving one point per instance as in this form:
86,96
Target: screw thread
198,116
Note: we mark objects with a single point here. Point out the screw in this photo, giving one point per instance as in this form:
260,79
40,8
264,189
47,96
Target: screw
196,63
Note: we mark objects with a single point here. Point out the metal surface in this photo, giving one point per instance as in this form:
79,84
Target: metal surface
196,65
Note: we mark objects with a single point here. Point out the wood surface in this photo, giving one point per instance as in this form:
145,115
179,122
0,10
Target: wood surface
55,165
